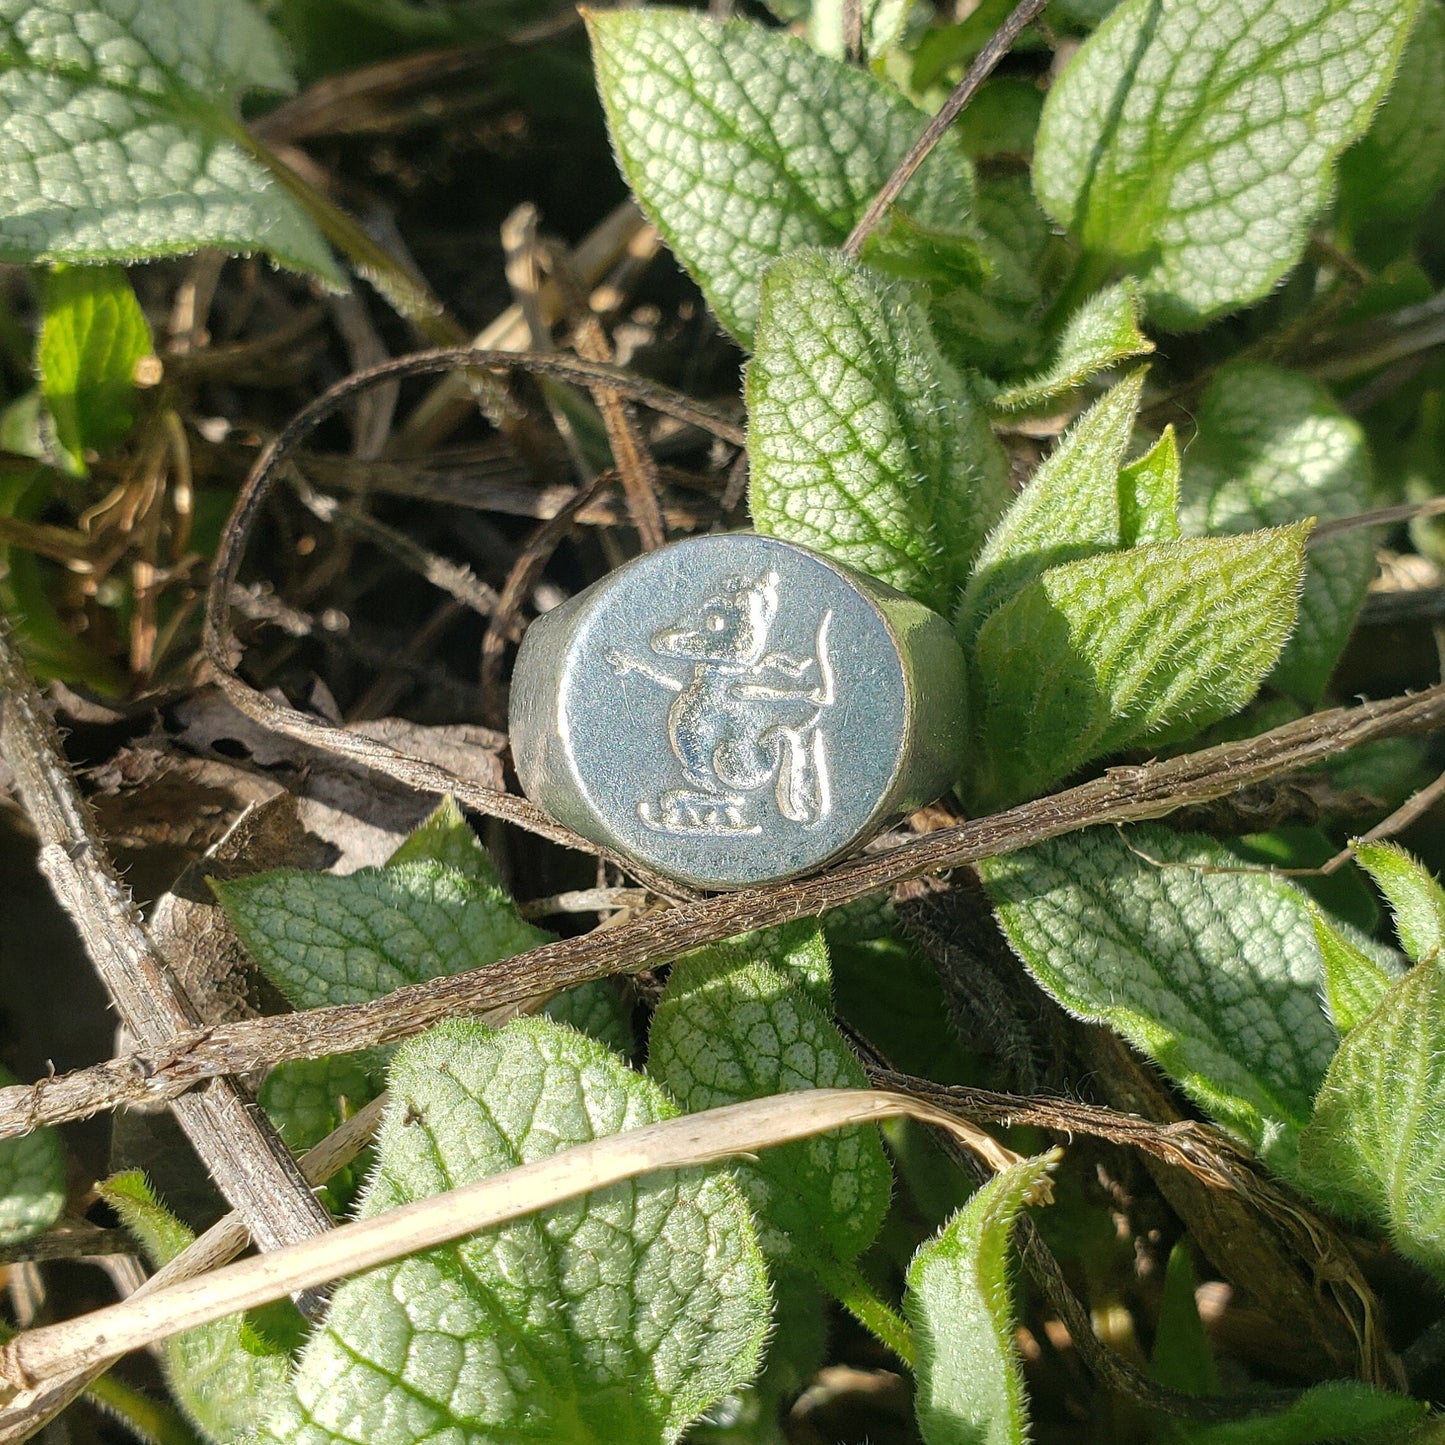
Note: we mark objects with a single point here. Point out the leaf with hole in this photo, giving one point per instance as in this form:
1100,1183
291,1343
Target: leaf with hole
619,1316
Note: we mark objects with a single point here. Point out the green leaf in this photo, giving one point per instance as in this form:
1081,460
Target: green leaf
1101,333
226,1376
796,950
1272,448
1098,654
92,335
323,939
307,1098
1213,975
446,837
1375,1148
1192,144
1149,495
1358,973
619,1316
1069,509
1395,171
1182,1358
118,134
599,1010
728,1030
1416,900
1340,1411
865,443
32,1180
797,1350
943,258
742,144
970,1389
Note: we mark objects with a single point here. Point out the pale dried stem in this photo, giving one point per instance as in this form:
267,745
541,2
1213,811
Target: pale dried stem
29,1410
692,1140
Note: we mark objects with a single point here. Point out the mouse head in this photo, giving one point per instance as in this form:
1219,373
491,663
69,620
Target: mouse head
730,626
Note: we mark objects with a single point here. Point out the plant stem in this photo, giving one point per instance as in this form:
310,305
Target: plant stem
846,1284
149,1420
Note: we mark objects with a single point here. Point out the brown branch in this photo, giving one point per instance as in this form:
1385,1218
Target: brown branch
983,64
251,1166
1121,795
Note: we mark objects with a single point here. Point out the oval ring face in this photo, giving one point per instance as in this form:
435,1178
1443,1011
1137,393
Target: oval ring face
728,710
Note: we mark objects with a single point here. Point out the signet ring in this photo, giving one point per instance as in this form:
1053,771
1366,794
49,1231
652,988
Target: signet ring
733,710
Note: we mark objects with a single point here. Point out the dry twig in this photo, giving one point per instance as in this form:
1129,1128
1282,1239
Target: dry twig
1122,795
244,1154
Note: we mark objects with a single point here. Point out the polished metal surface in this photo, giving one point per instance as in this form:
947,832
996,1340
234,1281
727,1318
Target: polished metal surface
733,709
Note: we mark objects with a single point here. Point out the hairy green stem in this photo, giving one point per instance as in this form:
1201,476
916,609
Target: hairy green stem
846,1284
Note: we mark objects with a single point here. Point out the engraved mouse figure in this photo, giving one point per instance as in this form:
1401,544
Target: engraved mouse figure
737,724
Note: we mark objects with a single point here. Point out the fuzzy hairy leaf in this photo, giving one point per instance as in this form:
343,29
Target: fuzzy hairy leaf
742,144
1272,448
1417,902
92,335
1069,509
619,1316
598,1010
226,1376
1101,333
1097,654
970,1389
1149,495
864,442
1375,1148
446,837
1395,171
117,134
1358,974
32,1180
1192,142
1341,1410
325,939
728,1030
1213,975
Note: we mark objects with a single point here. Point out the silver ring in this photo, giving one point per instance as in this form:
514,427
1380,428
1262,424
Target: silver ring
734,710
